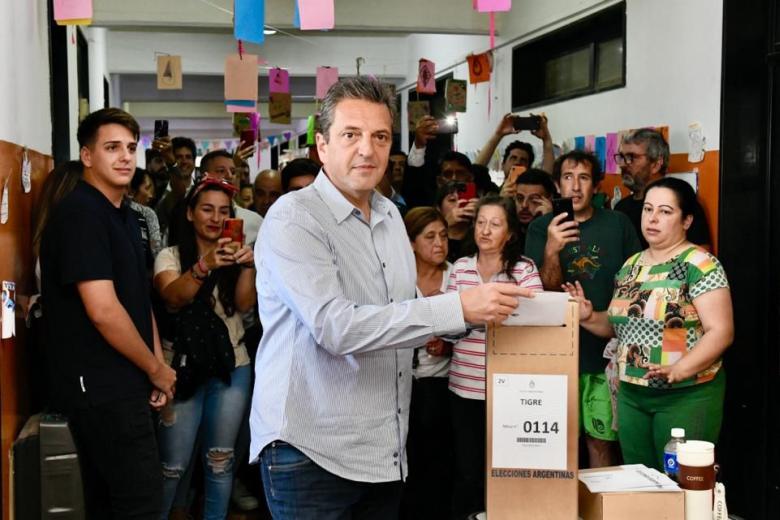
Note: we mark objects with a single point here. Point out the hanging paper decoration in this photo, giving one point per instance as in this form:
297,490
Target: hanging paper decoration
426,77
169,73
271,139
326,76
280,107
73,12
493,6
278,80
241,83
311,129
590,143
416,111
612,149
316,14
600,150
296,15
455,95
479,67
579,142
287,135
249,20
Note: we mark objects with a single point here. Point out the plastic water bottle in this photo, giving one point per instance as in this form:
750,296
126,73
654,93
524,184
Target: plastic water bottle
670,452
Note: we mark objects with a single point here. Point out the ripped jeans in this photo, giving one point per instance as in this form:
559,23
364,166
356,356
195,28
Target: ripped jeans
216,409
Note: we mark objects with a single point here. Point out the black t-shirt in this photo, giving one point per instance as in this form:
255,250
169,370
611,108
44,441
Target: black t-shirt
698,233
87,238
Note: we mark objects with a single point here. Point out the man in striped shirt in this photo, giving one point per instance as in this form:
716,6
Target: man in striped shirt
336,287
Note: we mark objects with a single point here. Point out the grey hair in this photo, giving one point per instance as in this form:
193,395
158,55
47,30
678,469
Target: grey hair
361,87
655,144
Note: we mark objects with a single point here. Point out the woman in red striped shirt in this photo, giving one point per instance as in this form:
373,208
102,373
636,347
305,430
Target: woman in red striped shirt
497,258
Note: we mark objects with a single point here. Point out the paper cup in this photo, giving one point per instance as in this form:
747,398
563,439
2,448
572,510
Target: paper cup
696,462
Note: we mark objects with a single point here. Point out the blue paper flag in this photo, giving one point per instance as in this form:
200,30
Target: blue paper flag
249,20
579,143
296,16
601,151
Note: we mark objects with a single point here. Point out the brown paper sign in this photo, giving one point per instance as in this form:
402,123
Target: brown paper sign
169,73
455,94
280,107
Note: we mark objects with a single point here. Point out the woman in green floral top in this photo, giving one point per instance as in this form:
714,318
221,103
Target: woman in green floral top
671,312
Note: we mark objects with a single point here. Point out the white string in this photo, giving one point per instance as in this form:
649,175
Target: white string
217,7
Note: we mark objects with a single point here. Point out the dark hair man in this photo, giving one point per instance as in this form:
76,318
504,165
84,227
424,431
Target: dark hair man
643,157
299,173
338,308
589,249
185,152
107,363
534,192
397,168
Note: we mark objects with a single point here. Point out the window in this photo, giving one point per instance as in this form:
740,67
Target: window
585,57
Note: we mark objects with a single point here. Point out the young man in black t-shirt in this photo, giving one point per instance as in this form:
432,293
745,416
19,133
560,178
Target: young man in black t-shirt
644,156
107,365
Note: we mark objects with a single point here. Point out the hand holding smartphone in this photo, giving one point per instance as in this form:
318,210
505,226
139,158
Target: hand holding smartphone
563,206
160,128
233,228
466,193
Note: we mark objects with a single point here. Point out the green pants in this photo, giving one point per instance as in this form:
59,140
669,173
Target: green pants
647,415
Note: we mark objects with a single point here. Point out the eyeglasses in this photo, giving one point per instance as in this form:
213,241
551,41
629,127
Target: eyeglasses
222,184
627,158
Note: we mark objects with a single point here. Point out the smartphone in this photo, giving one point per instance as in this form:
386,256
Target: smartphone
527,123
563,206
160,128
233,228
466,192
447,126
247,139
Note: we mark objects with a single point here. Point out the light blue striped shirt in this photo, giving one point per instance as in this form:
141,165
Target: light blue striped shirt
336,299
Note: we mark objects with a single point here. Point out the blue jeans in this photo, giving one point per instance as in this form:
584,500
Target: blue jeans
216,409
298,489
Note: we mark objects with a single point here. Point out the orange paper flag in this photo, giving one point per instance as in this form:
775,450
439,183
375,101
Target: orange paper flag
479,67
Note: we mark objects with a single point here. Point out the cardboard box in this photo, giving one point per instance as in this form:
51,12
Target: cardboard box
633,505
533,395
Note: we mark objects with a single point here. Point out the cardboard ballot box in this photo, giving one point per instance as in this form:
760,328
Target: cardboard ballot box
633,505
533,418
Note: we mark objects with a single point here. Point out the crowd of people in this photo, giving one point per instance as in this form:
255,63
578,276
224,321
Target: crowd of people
344,326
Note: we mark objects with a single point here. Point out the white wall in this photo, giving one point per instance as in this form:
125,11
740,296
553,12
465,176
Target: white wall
673,72
25,114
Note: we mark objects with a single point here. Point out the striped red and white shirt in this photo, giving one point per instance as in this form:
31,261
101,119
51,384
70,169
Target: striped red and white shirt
467,368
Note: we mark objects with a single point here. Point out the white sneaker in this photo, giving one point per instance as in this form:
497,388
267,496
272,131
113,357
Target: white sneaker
242,498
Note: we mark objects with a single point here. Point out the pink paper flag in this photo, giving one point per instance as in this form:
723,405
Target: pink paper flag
278,81
326,76
76,10
590,143
316,14
493,6
426,77
612,149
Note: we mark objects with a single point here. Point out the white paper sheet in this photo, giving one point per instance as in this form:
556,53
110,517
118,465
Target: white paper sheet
8,305
634,477
546,309
529,421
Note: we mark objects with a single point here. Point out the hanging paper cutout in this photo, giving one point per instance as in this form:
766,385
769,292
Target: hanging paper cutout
579,142
612,149
493,6
169,75
416,110
316,14
241,83
296,15
311,130
278,80
73,12
479,67
249,20
590,143
600,150
426,77
280,107
455,94
326,76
